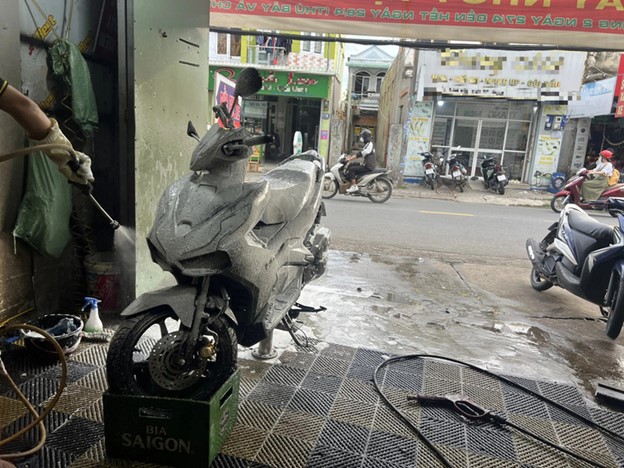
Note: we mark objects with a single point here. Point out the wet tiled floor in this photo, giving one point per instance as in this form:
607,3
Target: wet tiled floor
319,407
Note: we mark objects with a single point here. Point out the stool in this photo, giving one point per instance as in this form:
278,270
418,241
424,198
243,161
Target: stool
253,163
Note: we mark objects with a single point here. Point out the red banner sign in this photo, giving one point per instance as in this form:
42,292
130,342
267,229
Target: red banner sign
530,21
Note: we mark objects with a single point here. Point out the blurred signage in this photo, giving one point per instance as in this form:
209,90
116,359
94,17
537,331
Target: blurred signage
543,76
530,21
596,99
285,83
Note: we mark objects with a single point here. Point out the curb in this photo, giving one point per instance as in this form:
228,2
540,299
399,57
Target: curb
475,193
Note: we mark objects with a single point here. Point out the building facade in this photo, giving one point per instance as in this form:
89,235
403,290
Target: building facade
511,105
366,72
301,86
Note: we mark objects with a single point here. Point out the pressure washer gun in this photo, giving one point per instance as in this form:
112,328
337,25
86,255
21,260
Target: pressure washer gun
87,189
459,404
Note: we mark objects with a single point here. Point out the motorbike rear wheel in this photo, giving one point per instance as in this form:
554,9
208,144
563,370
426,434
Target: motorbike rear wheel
330,188
144,358
616,314
538,283
379,190
558,202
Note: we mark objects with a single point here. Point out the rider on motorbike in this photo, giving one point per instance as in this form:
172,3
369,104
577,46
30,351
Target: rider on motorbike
593,188
364,162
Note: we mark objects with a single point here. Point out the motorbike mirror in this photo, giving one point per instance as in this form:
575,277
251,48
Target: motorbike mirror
190,131
249,82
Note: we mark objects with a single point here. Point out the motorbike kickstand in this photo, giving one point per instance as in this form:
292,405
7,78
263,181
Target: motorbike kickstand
290,326
298,308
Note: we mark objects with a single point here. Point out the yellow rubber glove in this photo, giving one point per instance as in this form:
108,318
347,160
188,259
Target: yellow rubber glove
62,158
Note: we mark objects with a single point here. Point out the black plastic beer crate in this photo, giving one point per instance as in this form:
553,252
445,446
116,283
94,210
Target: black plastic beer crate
170,431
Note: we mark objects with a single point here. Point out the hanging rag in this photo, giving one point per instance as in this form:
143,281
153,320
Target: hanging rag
69,64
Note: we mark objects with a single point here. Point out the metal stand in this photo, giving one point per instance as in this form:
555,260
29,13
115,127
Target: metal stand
265,349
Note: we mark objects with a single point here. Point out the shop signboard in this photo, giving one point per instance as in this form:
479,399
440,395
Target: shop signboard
543,76
548,142
596,99
284,83
224,93
571,23
619,89
580,144
417,130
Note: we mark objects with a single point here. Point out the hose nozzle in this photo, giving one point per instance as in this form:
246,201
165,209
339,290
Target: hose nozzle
114,224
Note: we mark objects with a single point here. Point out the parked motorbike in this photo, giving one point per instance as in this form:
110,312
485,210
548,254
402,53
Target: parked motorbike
571,194
376,185
430,168
240,254
457,171
494,177
585,257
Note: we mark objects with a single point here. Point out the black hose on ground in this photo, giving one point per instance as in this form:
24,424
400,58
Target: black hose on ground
437,452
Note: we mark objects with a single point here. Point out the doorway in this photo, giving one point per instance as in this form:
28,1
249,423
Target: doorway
478,138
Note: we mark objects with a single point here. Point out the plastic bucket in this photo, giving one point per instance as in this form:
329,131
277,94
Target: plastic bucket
103,280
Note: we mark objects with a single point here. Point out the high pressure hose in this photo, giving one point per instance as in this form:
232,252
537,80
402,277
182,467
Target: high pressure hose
615,436
38,418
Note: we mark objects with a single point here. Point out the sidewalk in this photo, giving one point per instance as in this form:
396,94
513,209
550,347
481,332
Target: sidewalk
516,193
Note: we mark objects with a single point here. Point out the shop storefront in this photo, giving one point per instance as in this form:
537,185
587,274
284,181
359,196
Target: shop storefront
482,129
480,103
288,102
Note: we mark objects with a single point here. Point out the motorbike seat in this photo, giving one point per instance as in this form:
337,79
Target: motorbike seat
582,222
290,187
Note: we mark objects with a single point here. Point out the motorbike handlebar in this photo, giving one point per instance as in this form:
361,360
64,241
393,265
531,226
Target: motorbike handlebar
258,140
234,148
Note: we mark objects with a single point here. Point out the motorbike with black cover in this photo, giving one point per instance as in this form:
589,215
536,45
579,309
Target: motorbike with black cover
586,258
494,177
240,253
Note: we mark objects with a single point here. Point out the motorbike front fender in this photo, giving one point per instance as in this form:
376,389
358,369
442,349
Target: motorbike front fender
562,192
329,176
180,299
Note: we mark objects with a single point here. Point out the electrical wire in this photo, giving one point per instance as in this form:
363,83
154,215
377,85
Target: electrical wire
546,400
38,418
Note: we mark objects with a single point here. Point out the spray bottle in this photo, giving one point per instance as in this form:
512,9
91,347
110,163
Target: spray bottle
94,324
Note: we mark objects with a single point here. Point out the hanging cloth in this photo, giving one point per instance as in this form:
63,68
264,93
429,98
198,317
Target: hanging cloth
43,217
69,64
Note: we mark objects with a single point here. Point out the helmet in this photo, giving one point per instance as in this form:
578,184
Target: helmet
366,135
606,154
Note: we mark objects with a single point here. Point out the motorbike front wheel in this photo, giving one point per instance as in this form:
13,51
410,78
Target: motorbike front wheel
558,202
538,283
330,188
501,188
145,357
379,190
616,315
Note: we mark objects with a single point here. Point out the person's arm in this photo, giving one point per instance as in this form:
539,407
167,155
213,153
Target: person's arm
42,130
368,148
26,112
